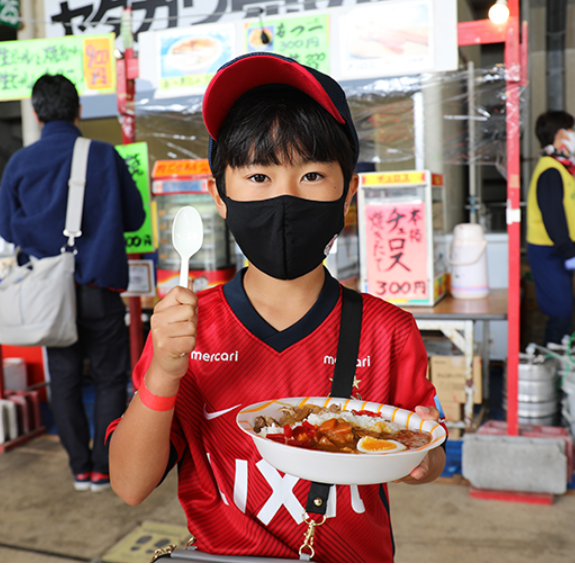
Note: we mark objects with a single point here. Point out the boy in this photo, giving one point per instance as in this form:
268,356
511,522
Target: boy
282,150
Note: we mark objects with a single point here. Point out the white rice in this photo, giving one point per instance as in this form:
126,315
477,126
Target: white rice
270,430
366,422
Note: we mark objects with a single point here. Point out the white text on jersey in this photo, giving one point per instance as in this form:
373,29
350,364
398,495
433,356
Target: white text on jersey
282,493
365,362
220,356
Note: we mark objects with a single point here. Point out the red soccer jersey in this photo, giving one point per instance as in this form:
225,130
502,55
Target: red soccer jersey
235,502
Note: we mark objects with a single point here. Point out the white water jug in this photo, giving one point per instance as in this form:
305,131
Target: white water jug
468,259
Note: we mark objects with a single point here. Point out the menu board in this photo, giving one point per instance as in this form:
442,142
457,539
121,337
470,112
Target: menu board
303,38
396,250
87,61
136,157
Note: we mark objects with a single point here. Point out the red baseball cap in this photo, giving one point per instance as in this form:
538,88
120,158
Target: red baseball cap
249,71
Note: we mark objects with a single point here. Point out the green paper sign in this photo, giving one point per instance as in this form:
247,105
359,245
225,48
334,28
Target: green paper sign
87,60
10,13
303,38
136,157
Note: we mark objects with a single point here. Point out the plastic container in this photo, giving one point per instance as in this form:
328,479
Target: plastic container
468,260
15,376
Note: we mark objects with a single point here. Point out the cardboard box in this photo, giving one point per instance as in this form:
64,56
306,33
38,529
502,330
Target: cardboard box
448,377
453,411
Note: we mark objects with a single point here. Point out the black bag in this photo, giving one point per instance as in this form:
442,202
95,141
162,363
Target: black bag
342,385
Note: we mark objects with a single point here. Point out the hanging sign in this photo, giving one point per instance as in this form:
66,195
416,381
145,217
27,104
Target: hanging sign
347,40
136,157
10,13
303,38
87,61
396,251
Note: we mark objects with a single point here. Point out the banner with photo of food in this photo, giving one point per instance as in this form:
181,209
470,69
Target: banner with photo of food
190,57
385,39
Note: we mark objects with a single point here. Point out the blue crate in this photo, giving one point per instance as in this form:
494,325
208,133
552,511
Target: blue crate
452,458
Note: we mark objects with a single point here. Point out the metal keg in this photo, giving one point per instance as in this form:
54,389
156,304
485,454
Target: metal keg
537,390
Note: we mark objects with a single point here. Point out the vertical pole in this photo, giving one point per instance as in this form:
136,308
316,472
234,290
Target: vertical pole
126,96
31,129
513,68
471,144
2,394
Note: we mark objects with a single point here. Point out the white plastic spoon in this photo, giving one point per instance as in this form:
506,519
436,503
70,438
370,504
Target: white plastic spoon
187,238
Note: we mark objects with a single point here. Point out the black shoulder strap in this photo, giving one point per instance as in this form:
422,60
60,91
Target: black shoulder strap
343,376
348,344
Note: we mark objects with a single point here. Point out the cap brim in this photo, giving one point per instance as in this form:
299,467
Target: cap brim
254,70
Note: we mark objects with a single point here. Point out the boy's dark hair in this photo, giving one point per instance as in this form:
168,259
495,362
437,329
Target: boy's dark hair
54,97
274,124
549,123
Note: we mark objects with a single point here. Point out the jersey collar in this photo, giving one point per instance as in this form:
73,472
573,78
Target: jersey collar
280,340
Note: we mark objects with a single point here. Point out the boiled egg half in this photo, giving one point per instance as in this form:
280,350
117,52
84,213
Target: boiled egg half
374,445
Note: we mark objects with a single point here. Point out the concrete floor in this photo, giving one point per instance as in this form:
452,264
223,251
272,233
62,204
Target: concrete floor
43,520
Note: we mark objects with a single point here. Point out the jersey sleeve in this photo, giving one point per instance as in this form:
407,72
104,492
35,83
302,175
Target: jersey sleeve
177,440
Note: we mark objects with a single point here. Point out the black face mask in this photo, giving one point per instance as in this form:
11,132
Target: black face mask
285,237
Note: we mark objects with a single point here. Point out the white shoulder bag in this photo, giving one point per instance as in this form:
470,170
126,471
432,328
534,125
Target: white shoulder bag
38,300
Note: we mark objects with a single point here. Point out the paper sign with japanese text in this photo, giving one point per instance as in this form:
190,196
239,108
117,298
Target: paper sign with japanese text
396,251
136,157
181,168
401,178
303,38
99,63
87,61
10,13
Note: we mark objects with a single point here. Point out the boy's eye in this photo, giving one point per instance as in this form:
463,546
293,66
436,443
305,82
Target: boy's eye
259,178
312,177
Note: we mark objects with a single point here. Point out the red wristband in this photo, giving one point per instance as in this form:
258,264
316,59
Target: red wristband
155,402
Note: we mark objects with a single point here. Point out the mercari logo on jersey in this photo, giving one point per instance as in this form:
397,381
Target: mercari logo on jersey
219,356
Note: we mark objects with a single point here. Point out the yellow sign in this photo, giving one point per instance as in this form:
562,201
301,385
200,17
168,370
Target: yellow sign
99,68
397,178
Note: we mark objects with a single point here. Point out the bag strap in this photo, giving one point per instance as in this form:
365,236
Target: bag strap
76,186
343,376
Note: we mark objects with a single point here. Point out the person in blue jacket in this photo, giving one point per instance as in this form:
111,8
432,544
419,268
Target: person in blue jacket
551,222
33,198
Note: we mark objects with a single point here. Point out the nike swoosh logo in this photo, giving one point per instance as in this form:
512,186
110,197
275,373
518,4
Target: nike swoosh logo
213,415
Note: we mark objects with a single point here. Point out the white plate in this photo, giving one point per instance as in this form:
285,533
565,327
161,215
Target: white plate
340,468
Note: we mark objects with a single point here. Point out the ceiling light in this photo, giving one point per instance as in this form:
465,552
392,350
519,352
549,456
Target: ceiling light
499,12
